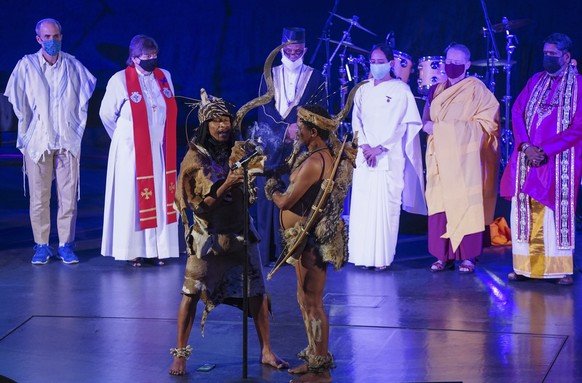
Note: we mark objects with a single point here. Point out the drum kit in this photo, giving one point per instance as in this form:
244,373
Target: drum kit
430,69
354,63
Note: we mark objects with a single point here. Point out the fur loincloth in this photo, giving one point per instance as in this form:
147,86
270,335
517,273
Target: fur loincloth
215,260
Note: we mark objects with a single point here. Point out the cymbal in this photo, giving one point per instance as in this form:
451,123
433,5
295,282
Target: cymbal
511,24
492,63
354,21
349,45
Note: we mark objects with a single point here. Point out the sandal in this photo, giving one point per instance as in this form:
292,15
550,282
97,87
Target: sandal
153,262
513,277
136,262
442,266
467,266
566,280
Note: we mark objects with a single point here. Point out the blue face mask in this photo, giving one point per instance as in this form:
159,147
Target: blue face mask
379,71
52,47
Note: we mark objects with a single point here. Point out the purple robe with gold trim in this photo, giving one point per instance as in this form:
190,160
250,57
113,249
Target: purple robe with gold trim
562,144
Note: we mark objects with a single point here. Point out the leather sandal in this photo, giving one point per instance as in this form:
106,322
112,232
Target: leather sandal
467,266
442,266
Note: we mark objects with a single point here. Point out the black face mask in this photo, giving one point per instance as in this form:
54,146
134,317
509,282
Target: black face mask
552,64
149,65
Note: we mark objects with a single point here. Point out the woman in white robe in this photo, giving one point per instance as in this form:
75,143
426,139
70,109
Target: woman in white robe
388,170
122,237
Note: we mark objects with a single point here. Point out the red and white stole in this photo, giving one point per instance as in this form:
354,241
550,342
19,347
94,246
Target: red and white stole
143,153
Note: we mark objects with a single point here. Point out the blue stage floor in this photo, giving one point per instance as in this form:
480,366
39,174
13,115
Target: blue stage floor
105,321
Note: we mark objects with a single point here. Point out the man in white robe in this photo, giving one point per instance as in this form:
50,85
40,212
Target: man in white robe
50,91
388,170
295,84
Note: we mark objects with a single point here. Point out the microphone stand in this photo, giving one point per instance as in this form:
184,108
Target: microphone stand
245,267
244,164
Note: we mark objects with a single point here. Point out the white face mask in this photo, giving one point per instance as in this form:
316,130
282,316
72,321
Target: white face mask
379,71
291,65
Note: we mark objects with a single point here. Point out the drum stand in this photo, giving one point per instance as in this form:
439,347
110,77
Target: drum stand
492,52
344,42
346,77
506,135
491,69
344,128
325,35
342,79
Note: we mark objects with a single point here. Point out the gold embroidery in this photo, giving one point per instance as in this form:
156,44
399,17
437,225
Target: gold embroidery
146,193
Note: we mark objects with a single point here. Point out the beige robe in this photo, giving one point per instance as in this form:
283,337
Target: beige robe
462,157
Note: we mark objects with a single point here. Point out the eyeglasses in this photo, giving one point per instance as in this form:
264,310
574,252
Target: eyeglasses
293,52
456,62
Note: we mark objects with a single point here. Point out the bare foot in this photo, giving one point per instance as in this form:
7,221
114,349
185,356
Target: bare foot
273,360
310,377
303,369
178,366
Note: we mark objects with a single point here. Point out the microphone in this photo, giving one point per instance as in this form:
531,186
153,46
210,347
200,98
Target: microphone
258,151
251,144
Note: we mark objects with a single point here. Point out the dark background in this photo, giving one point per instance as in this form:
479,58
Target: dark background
221,45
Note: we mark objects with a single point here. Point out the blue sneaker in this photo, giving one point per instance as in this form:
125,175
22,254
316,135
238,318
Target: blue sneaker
42,255
67,255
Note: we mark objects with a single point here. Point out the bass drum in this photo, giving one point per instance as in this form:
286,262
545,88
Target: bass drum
402,65
431,71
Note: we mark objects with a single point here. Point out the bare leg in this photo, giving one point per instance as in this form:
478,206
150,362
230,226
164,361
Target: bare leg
186,314
259,310
311,277
302,369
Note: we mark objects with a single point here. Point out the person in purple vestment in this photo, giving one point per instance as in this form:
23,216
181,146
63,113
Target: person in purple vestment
543,174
